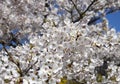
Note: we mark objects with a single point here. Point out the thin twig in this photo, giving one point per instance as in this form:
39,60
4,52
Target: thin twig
29,67
76,8
13,60
17,63
81,15
89,6
94,19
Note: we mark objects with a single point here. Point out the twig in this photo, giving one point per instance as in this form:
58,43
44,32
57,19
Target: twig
83,13
99,17
16,62
89,6
76,8
25,71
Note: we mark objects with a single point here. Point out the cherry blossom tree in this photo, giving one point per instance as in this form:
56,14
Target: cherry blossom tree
65,44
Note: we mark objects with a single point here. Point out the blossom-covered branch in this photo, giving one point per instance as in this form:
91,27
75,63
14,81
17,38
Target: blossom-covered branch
58,51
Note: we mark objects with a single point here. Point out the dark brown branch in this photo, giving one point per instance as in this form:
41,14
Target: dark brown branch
89,6
17,63
76,8
82,14
13,60
25,71
94,19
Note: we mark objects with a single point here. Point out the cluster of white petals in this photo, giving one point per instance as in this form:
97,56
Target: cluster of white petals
87,53
73,50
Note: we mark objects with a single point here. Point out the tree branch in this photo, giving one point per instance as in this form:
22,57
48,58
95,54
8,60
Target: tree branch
94,19
25,71
81,15
15,61
89,6
76,8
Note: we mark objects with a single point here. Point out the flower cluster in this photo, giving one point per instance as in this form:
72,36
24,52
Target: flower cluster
62,49
74,51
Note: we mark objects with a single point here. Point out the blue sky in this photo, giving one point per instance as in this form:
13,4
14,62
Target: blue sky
114,20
